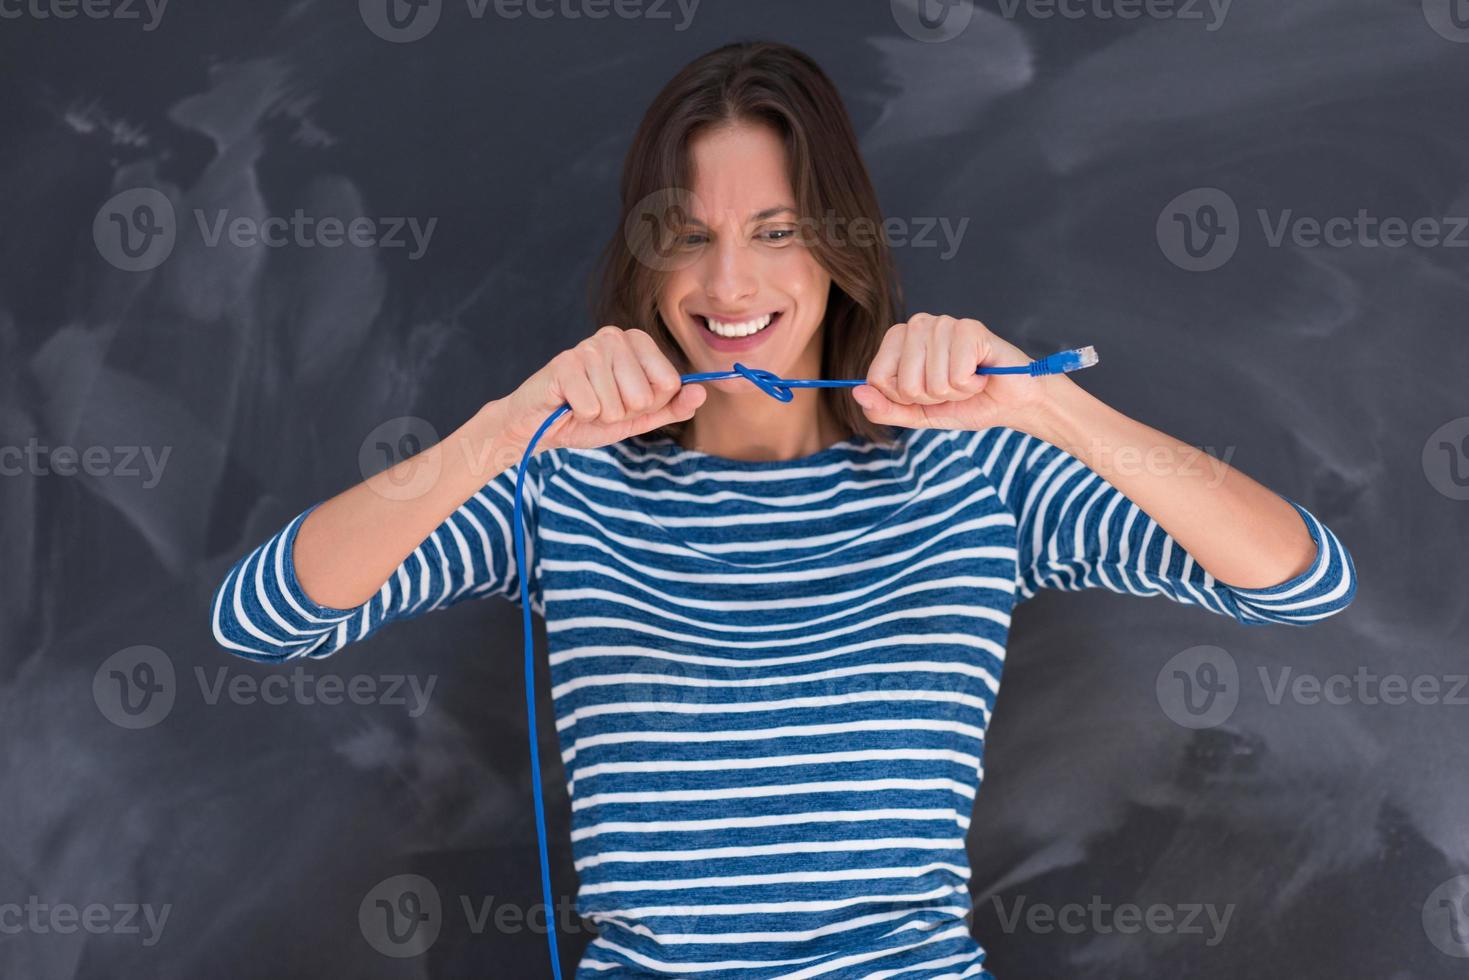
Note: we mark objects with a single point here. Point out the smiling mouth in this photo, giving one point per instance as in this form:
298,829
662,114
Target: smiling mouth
735,330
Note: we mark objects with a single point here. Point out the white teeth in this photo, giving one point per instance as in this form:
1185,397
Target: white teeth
733,330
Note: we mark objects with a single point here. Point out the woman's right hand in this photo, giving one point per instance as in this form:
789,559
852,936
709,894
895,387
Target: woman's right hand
618,384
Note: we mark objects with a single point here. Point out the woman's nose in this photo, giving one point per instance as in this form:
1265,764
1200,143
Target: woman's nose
730,276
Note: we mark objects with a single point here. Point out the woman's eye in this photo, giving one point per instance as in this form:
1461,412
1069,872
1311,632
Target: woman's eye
691,239
778,234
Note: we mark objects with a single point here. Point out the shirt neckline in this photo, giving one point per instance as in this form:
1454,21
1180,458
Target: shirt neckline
855,448
671,451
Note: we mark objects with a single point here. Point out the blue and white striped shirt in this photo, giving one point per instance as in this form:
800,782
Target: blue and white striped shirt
772,680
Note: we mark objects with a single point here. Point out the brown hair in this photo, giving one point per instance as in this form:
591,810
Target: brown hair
775,84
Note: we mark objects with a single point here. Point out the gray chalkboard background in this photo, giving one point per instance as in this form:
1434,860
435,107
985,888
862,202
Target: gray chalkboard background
215,392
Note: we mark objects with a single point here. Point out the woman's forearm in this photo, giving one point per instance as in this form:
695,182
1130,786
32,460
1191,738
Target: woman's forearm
1240,532
347,547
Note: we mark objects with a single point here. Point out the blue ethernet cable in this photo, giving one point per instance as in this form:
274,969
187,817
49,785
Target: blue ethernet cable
776,387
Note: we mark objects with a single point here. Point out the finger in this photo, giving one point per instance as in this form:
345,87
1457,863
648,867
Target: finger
599,371
578,390
965,359
911,387
989,350
882,373
632,382
941,415
936,361
662,376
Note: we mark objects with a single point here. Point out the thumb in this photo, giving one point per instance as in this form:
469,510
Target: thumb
877,407
680,408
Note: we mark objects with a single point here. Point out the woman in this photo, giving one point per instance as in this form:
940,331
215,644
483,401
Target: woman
776,630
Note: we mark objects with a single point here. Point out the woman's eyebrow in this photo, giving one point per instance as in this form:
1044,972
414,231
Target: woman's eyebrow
757,216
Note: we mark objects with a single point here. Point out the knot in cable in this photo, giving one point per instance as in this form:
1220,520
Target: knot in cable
772,384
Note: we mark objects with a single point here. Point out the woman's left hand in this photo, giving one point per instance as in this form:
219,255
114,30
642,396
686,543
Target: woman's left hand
923,377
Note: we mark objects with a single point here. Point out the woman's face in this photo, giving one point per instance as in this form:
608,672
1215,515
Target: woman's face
745,288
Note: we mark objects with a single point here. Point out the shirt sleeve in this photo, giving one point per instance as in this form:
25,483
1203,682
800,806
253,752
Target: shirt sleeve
1074,530
261,612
